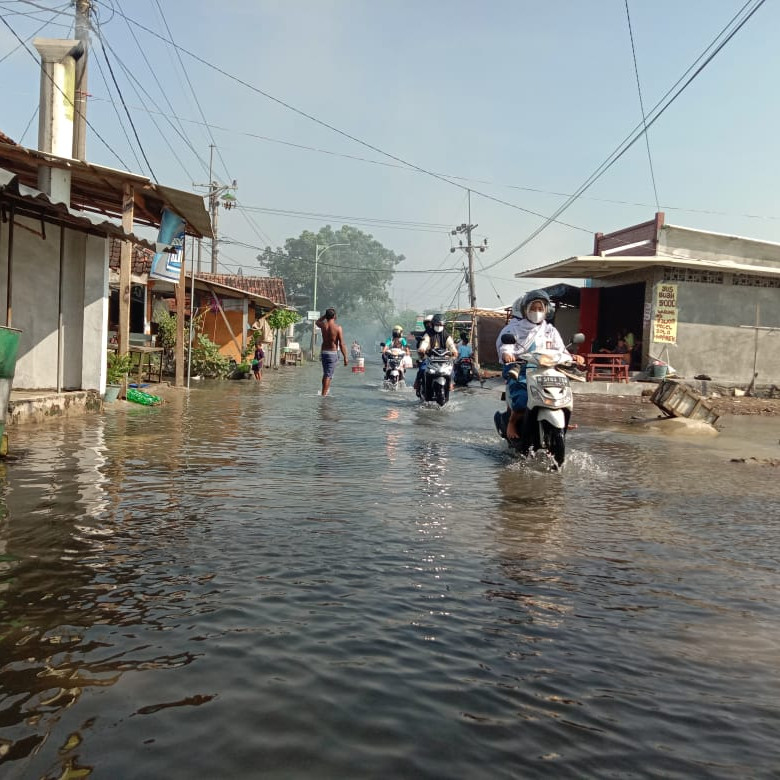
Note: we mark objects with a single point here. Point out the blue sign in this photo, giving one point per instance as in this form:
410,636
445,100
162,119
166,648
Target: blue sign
166,265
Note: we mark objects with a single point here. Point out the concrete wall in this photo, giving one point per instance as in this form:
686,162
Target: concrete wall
686,242
35,306
715,334
95,314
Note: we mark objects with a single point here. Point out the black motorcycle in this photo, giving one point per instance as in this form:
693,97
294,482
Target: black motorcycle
437,377
464,372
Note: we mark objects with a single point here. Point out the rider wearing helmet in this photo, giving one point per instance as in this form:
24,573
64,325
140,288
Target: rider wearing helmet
532,330
435,338
396,341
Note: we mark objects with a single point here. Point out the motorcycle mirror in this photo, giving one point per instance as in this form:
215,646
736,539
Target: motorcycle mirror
509,338
578,338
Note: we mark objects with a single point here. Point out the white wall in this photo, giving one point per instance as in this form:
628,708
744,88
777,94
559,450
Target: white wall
35,306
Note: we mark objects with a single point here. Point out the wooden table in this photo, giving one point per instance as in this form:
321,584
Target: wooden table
606,365
144,356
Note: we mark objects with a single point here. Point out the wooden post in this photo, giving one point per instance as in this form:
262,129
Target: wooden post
125,260
181,292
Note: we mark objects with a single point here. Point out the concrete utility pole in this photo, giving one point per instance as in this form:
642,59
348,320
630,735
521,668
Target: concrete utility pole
83,8
215,191
467,228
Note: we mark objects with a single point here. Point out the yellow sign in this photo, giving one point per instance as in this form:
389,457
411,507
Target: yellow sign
665,318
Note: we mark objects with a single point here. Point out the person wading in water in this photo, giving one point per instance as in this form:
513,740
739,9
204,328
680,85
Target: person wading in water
332,342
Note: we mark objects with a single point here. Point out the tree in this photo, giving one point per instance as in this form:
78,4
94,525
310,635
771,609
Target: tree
351,278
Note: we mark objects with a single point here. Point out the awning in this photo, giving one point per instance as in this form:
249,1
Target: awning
96,188
597,267
34,204
221,289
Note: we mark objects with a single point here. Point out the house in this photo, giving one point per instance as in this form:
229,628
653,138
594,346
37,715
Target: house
54,251
706,303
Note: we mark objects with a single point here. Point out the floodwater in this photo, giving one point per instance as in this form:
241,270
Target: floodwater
253,581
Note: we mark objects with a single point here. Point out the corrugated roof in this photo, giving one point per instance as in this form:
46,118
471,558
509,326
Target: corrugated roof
268,286
96,188
29,202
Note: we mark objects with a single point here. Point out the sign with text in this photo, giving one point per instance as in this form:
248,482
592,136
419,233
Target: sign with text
312,316
665,319
166,264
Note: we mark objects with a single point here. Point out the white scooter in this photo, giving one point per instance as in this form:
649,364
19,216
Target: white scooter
550,403
395,369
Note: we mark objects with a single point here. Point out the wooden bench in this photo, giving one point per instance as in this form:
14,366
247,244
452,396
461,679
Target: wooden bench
607,366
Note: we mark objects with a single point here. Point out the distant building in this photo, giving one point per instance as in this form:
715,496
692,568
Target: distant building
706,303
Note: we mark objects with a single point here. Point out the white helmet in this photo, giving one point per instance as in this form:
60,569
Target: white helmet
520,306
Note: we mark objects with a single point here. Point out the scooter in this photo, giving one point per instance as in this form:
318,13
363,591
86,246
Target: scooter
437,377
394,369
464,372
546,418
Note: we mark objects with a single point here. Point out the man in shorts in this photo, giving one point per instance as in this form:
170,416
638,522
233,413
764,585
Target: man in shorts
332,342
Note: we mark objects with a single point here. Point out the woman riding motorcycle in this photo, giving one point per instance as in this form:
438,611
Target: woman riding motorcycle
531,330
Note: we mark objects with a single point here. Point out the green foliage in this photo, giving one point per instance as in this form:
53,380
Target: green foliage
281,319
359,272
166,329
118,367
207,361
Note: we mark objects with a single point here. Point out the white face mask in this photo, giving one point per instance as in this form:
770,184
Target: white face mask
438,328
536,316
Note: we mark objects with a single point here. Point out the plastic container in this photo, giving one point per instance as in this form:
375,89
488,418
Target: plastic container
660,370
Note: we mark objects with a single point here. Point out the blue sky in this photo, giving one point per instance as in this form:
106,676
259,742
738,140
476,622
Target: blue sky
521,100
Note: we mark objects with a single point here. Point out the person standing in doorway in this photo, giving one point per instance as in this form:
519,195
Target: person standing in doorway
332,342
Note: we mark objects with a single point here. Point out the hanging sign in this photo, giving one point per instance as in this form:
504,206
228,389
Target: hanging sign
166,265
665,319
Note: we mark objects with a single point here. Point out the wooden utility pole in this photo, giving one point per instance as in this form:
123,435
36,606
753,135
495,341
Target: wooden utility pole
125,261
83,8
467,228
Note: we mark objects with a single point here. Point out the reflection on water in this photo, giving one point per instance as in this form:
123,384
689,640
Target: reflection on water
254,576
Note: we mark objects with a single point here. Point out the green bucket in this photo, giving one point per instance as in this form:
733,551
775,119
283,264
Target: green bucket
9,347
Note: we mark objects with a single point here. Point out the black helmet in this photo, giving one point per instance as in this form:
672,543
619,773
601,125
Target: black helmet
437,320
520,306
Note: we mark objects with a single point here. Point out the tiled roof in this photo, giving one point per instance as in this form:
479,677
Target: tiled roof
141,258
270,287
5,139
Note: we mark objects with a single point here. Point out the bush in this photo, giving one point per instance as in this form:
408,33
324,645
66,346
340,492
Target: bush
207,361
118,367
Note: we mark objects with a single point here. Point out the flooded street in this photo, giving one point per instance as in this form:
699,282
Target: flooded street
253,581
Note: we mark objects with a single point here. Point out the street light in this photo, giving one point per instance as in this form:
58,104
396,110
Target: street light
319,250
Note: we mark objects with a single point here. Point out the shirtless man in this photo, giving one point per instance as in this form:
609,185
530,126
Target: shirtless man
332,342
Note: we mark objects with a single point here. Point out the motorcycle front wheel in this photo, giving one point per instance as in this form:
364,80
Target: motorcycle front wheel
554,442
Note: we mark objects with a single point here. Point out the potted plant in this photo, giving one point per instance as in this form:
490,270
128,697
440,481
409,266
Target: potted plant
117,369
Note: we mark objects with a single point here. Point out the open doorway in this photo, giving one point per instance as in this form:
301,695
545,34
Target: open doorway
620,311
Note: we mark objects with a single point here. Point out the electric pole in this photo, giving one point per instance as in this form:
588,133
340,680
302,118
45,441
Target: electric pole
83,8
467,228
215,191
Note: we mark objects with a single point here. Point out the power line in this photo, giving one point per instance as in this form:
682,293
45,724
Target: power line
634,136
334,129
38,63
127,110
642,107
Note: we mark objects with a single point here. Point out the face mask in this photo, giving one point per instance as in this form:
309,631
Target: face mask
438,328
536,316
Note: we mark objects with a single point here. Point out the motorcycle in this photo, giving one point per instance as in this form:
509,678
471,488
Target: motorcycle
546,418
437,377
394,369
464,372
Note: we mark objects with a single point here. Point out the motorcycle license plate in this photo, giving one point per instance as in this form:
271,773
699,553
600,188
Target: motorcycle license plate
552,381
